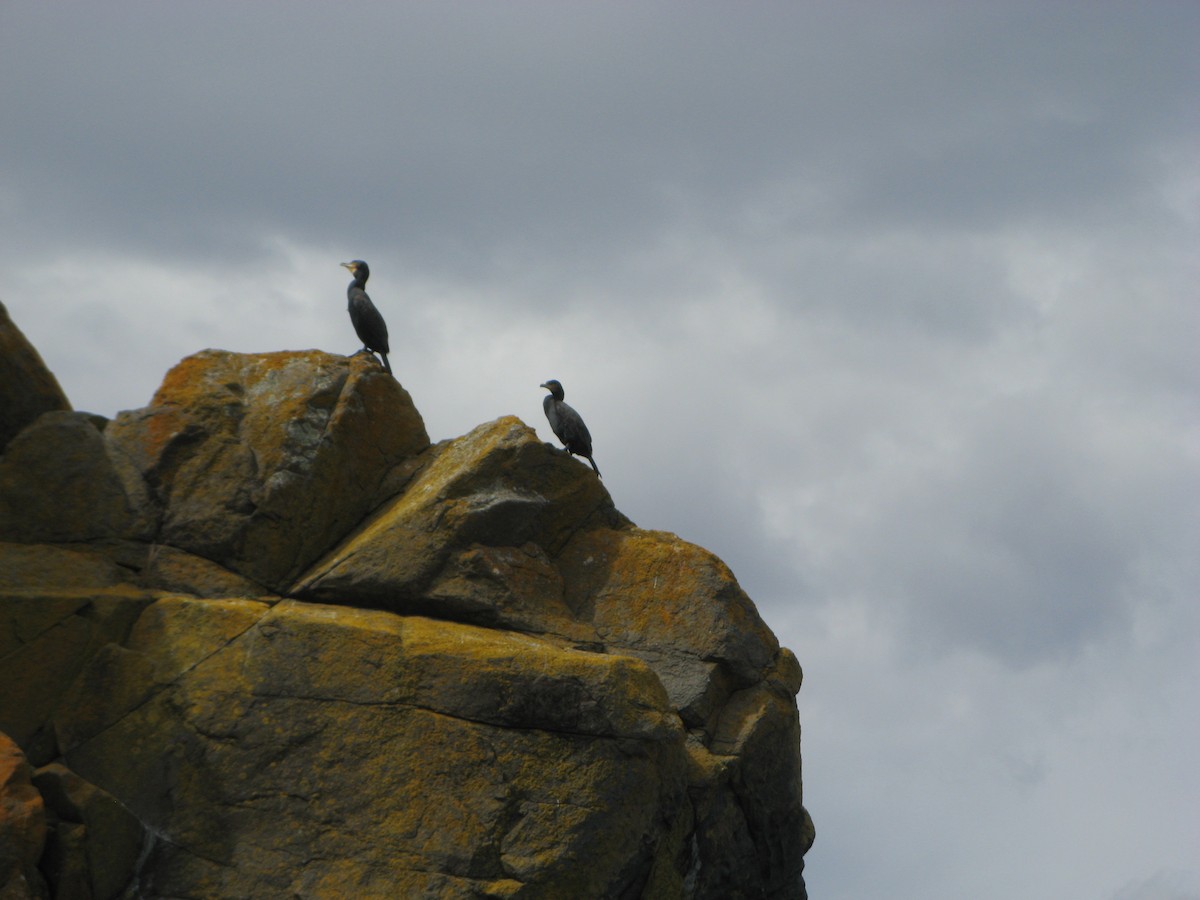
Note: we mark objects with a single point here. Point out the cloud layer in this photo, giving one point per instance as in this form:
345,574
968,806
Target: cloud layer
892,308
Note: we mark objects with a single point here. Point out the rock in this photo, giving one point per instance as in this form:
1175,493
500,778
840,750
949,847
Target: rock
160,567
91,499
327,747
41,570
471,536
674,605
95,835
22,826
120,678
758,732
306,653
65,861
58,607
503,530
261,462
27,387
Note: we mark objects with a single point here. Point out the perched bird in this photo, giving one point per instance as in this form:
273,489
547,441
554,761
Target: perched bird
367,321
567,424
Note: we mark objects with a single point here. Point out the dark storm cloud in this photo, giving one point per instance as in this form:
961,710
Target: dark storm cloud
459,135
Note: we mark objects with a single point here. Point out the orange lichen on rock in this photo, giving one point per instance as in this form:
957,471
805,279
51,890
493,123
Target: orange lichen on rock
22,826
257,460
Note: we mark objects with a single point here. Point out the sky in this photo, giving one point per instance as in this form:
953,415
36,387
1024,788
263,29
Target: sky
892,306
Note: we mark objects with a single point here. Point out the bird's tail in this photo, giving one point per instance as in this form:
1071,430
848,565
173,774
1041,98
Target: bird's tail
594,466
387,368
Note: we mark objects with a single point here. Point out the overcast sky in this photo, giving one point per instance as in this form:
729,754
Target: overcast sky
893,306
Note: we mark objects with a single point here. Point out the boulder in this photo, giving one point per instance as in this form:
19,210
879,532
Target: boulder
500,529
472,535
95,495
676,606
262,462
27,387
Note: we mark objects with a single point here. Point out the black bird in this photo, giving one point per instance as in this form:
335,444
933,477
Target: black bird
567,424
367,321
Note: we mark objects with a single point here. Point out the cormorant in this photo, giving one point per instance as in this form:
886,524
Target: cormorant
368,323
567,424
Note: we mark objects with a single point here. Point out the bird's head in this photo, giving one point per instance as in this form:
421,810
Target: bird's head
553,387
358,269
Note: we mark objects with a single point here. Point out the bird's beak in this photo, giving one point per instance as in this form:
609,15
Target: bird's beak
543,384
349,266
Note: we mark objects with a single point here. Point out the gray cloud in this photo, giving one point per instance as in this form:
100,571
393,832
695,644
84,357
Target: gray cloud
462,135
891,308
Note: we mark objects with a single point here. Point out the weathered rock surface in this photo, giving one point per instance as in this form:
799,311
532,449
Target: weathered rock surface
93,841
270,642
259,462
97,494
418,753
27,387
22,826
472,536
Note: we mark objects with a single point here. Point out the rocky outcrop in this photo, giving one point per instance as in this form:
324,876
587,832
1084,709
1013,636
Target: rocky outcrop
262,639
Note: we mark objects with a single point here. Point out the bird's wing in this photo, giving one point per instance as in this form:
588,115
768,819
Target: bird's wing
574,433
368,322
